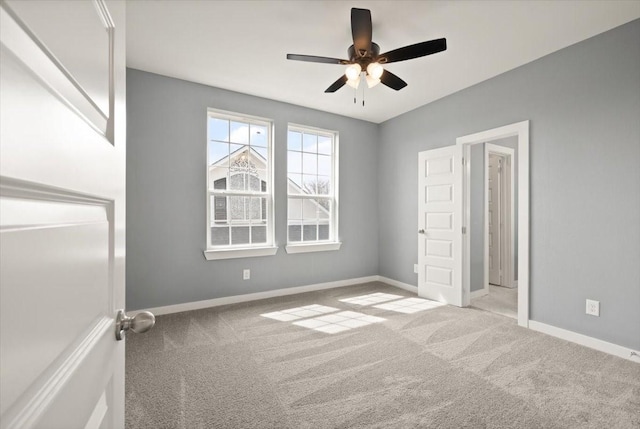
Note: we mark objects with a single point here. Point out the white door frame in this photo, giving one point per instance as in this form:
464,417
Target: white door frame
521,130
508,239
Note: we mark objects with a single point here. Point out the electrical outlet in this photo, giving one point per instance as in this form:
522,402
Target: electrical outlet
593,307
246,274
415,268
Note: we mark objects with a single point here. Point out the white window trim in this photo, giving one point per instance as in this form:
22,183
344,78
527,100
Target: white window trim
262,249
244,252
319,246
313,247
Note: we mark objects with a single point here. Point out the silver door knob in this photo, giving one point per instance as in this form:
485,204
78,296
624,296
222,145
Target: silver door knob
139,323
421,231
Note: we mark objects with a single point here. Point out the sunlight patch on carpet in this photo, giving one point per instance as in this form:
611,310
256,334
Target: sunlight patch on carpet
372,298
409,305
339,322
300,312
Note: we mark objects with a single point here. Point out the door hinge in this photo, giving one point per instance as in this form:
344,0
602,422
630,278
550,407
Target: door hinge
463,161
464,229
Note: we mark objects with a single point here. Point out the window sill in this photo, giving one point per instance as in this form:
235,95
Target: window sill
247,252
315,247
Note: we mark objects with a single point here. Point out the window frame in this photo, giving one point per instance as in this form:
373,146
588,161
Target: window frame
333,243
215,252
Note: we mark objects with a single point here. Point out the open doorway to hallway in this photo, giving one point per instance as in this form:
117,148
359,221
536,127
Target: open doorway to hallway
493,226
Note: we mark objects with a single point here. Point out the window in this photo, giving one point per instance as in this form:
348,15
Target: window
312,190
239,186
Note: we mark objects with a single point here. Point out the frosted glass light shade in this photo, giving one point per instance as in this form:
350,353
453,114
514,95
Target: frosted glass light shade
354,83
353,71
371,81
375,70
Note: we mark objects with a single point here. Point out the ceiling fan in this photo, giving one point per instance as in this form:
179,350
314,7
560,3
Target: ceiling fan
364,56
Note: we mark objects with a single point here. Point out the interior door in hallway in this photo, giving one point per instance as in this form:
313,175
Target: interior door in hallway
440,225
62,228
496,224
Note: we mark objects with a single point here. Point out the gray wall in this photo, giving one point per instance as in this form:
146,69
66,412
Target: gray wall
584,106
166,179
477,209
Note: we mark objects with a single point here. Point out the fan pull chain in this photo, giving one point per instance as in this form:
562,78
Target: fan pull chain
363,94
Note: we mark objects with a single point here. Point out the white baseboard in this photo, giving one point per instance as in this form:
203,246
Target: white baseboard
197,305
396,283
583,340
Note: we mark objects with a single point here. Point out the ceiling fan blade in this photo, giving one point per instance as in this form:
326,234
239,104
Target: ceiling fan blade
315,59
337,84
413,51
361,30
392,81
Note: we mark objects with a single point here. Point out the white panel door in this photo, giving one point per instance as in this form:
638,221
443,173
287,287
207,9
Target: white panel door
439,225
494,214
62,229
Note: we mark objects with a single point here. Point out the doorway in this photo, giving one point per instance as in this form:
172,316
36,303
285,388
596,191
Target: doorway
492,230
444,219
512,241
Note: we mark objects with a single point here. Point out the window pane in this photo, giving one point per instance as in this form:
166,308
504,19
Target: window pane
258,234
219,210
239,132
324,145
262,151
218,129
295,184
294,162
294,140
309,184
237,208
237,181
309,233
218,152
255,210
323,232
258,135
309,163
255,183
240,234
218,178
324,209
324,165
295,232
324,185
310,143
310,209
219,235
294,209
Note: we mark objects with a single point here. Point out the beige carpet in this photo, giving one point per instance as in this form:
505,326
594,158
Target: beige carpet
500,300
405,365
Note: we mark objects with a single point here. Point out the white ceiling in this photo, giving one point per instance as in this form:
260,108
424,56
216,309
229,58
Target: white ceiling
242,45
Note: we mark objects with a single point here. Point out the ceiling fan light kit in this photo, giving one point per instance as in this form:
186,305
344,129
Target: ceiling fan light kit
365,59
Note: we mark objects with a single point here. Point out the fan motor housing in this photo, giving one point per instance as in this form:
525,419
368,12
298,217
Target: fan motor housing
364,58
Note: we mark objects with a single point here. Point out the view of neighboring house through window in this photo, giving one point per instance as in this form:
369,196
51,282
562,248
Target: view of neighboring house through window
239,167
312,186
